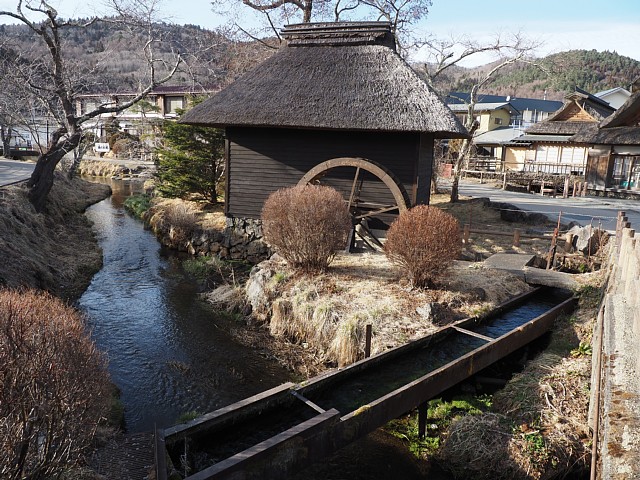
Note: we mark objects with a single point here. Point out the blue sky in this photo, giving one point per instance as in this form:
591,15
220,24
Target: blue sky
612,25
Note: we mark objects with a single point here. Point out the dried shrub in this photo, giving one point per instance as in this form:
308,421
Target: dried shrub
175,219
306,225
54,386
423,241
478,446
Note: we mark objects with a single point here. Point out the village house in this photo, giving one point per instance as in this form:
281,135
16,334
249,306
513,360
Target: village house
501,119
613,163
615,97
163,102
546,147
336,103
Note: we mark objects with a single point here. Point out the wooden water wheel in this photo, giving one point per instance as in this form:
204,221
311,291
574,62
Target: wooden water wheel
369,188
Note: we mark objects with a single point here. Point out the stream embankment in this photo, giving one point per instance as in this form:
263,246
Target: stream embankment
55,250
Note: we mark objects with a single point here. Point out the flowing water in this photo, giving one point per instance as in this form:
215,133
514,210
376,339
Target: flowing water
169,353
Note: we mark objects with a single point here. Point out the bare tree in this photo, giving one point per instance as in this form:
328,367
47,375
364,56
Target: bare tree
445,54
54,82
402,14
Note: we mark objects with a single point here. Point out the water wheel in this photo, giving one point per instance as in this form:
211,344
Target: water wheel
370,190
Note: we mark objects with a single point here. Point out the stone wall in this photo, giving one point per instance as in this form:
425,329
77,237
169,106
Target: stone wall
240,240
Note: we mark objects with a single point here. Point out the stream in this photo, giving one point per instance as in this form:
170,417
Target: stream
169,353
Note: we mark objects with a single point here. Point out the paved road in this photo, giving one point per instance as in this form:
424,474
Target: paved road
581,210
13,171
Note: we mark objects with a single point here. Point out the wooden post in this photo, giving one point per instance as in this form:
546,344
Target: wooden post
583,193
504,181
367,340
481,178
516,237
575,187
422,420
554,243
465,234
542,188
565,189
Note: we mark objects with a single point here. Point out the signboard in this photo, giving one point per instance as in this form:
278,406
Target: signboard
101,147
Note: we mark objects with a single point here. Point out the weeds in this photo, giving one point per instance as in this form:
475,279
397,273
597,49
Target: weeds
138,204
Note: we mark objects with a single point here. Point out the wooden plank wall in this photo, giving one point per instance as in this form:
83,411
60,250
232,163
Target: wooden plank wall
263,160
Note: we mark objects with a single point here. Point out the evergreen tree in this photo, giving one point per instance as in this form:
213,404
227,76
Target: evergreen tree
190,162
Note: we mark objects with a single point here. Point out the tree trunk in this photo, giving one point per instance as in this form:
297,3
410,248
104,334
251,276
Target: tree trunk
454,189
41,180
6,141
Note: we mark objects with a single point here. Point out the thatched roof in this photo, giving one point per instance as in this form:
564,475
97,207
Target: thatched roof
621,128
344,76
558,128
580,112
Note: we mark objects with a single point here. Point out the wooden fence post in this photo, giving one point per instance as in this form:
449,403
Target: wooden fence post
516,237
367,340
565,190
465,234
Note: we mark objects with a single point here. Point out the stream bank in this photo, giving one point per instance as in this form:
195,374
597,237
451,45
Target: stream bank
54,251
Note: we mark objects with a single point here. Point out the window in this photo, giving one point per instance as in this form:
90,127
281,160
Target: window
497,121
171,104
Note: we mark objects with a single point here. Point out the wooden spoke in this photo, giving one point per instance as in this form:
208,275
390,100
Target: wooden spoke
362,211
353,188
373,213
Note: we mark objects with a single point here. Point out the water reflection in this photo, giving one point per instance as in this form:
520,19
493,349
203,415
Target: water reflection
168,352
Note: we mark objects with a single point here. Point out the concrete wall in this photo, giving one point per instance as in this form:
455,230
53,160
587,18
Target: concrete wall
616,363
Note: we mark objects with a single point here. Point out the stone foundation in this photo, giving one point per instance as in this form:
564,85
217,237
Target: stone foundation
240,240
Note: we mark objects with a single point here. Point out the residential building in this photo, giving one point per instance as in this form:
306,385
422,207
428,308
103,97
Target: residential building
546,146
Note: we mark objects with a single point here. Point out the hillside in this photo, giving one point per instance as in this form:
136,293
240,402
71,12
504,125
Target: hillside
110,58
558,74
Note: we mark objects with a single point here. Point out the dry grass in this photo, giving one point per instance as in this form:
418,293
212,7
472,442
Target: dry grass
56,250
543,432
475,213
187,214
327,313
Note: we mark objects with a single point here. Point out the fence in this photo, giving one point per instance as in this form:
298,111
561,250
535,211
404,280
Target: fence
614,409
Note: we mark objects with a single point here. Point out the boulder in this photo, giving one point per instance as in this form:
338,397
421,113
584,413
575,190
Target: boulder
588,240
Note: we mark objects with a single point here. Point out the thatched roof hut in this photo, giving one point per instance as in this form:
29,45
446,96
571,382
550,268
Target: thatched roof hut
332,76
334,96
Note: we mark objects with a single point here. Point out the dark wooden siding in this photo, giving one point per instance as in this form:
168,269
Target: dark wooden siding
264,160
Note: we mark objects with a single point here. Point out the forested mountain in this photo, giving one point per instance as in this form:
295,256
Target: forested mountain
557,75
110,58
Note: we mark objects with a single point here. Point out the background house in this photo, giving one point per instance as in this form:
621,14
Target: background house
615,97
613,163
546,146
335,92
163,102
502,119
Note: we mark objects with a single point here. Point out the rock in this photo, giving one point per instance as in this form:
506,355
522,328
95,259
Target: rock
256,289
425,311
588,240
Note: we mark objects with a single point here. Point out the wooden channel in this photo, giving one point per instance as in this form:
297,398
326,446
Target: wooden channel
329,428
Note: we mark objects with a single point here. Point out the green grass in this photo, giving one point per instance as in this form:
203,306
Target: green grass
440,414
138,204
